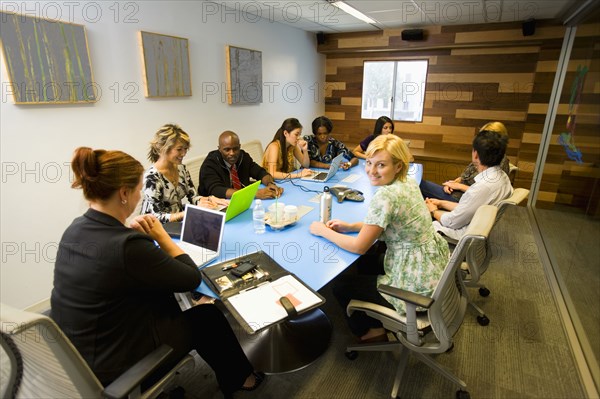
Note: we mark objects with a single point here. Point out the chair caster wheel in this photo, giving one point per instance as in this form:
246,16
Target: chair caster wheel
483,320
351,355
463,395
484,292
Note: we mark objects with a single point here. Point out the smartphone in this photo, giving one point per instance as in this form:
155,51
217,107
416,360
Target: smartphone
242,269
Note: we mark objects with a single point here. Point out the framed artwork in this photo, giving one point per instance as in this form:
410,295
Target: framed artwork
166,62
47,61
244,75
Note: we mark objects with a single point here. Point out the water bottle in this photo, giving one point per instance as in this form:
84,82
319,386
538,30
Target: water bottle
325,206
258,216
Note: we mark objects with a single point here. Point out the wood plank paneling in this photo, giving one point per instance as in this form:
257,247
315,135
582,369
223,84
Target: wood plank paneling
373,41
509,35
477,73
496,50
487,115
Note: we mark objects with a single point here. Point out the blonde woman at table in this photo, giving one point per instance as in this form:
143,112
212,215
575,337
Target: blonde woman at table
114,284
167,182
283,151
416,254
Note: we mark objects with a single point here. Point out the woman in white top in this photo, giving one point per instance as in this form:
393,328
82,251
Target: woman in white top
167,183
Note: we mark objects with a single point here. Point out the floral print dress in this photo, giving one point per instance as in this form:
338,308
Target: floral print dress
416,255
161,198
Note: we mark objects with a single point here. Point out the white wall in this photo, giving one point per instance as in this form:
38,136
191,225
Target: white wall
37,141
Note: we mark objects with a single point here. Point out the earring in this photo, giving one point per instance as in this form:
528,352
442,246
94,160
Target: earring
123,202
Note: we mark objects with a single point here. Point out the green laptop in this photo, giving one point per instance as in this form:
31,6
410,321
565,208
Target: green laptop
241,200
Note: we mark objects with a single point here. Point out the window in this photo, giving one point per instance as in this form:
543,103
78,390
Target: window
395,89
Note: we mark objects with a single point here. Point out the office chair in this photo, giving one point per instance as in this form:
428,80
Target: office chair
429,332
42,363
476,263
512,172
518,196
193,166
254,148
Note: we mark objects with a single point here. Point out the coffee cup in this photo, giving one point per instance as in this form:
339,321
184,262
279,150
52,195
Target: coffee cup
290,213
276,212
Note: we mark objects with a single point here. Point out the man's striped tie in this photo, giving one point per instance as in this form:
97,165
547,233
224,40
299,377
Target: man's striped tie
235,179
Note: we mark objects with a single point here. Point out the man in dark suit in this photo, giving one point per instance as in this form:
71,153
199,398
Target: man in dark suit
229,168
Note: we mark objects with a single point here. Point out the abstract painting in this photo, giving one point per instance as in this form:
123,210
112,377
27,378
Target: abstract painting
166,65
47,61
244,76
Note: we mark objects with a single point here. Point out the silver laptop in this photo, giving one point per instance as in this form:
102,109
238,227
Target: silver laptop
324,176
202,233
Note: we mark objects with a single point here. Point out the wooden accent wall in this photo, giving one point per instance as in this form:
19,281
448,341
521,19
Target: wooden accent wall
477,73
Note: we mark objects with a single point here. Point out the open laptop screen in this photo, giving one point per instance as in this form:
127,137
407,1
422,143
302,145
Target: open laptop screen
202,227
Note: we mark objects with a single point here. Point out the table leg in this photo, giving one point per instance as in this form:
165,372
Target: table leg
290,345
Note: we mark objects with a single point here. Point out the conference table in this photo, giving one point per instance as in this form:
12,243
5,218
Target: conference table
294,343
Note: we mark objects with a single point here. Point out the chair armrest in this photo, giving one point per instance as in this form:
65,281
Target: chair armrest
132,378
406,296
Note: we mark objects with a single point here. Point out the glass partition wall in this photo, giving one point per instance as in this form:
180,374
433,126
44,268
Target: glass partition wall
565,198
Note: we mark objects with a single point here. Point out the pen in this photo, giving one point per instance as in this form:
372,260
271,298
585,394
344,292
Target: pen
229,267
256,286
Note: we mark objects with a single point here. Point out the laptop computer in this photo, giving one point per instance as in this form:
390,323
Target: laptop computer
202,233
173,229
240,201
324,176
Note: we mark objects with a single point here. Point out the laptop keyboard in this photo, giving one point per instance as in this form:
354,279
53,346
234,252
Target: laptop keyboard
320,176
198,254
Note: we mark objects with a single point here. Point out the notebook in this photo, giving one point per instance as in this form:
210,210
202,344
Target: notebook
202,233
254,299
241,200
324,176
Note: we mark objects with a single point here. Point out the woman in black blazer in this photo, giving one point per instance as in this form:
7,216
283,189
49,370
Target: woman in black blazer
113,287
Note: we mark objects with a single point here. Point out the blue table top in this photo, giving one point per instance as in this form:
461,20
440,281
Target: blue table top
313,259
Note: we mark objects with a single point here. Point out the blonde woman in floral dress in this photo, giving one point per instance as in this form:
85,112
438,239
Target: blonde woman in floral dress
416,255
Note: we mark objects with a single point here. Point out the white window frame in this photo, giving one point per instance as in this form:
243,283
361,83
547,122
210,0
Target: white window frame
411,111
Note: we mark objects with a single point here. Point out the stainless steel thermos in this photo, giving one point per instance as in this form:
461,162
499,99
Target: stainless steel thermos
325,205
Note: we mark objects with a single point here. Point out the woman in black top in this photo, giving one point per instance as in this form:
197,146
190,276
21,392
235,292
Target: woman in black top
113,287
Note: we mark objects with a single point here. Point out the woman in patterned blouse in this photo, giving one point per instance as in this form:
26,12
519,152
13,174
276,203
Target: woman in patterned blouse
322,148
167,183
416,255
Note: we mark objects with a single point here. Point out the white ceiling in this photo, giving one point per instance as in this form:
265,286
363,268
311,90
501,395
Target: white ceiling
320,16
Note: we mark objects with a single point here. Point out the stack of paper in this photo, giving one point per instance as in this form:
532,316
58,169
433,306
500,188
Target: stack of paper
259,306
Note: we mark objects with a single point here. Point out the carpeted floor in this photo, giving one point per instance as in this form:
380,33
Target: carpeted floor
522,353
572,239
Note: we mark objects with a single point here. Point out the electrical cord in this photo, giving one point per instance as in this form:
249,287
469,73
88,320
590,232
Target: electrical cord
301,187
